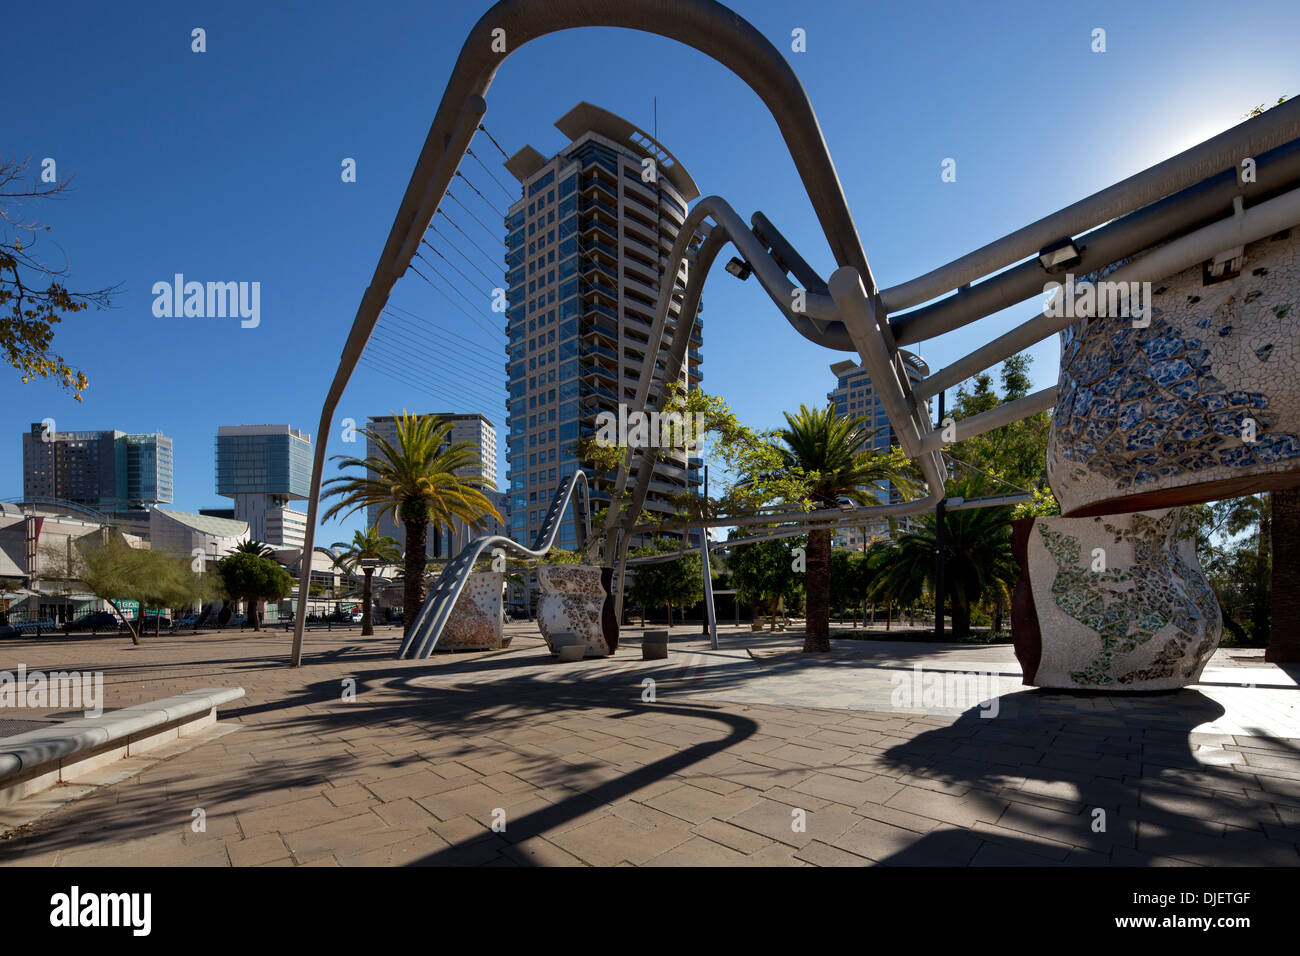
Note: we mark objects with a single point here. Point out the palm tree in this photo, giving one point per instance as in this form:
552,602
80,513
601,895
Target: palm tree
831,455
977,557
423,478
368,548
253,546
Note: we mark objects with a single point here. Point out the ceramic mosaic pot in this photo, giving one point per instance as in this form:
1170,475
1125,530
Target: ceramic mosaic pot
1204,403
475,621
1116,604
573,602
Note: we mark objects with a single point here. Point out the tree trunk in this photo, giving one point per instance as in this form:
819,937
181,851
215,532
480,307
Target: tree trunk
367,625
960,616
413,588
1284,635
889,613
251,613
817,625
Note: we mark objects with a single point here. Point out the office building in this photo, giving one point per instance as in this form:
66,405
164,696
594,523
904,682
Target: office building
264,468
111,472
586,249
854,397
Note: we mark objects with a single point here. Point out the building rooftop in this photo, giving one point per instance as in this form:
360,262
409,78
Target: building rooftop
221,527
586,118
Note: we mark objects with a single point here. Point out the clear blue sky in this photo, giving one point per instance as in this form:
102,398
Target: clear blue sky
225,166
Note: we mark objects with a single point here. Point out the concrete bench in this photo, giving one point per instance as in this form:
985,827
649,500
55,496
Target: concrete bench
39,759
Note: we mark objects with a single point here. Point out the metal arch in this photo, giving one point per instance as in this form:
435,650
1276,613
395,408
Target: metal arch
422,637
702,24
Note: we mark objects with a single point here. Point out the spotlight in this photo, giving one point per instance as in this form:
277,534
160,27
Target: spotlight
739,268
1060,255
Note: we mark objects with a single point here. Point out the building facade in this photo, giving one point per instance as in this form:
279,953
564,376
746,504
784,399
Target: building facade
475,429
854,396
264,468
586,250
112,472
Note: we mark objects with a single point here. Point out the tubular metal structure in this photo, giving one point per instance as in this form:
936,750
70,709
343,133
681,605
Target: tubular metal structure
422,636
1186,209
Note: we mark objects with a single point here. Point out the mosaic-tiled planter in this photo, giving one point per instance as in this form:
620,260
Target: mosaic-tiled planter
475,622
573,602
1156,417
1112,603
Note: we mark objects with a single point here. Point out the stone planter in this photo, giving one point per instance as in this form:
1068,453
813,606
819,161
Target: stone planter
1115,604
1156,417
475,621
573,601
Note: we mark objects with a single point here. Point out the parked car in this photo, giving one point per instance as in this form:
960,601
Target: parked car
189,620
42,624
98,621
238,620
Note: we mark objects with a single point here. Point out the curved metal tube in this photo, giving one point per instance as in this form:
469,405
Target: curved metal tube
703,24
428,625
1225,151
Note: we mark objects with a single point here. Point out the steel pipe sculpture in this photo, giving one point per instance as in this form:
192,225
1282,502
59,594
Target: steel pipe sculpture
1168,218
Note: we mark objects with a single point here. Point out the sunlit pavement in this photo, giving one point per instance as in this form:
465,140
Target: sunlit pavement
751,754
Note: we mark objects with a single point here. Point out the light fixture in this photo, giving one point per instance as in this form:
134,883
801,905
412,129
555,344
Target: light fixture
1060,255
739,268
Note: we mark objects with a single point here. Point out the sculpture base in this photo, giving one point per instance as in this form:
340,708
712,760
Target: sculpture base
1112,604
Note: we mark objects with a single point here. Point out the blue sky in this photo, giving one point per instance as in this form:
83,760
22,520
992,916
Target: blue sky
225,166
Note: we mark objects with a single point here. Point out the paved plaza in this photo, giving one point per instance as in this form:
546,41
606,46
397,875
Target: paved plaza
752,754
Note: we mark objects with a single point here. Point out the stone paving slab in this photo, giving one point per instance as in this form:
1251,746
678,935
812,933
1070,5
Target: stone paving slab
747,755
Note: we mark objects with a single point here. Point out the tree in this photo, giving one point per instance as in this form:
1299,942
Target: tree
109,568
368,548
848,576
33,299
253,546
421,479
763,573
977,557
1013,457
830,454
253,578
677,583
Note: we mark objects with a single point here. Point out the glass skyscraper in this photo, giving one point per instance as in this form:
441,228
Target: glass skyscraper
263,468
586,249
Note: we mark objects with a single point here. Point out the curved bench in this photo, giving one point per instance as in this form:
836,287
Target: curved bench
39,759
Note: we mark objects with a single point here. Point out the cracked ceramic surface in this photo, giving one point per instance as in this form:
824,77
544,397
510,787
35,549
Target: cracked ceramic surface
1158,415
571,602
475,622
1122,602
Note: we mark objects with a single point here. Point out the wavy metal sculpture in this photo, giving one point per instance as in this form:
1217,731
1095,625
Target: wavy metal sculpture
422,638
1158,204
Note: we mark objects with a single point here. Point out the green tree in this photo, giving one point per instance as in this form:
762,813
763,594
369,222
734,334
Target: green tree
109,568
977,557
830,453
367,549
421,479
253,578
33,298
678,583
1015,455
253,546
762,572
849,578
